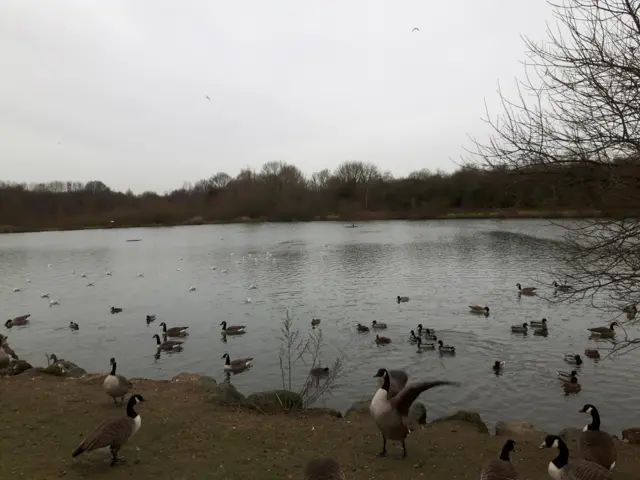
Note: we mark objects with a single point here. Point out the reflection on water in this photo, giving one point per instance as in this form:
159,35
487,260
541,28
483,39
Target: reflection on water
341,275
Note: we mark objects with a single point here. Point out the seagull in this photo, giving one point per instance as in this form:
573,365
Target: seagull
192,289
416,29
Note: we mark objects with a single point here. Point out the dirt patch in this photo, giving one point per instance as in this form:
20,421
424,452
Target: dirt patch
42,418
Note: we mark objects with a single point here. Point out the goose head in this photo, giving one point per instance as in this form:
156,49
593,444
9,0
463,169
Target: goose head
382,373
8,323
551,441
226,355
224,324
157,337
112,361
440,342
137,398
486,309
588,408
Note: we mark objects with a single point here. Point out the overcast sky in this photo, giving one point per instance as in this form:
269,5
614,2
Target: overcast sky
115,90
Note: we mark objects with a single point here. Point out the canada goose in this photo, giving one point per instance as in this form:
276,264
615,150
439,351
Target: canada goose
116,386
609,334
232,329
382,340
595,445
526,290
498,366
167,345
362,328
390,411
541,332
604,330
426,346
236,366
315,321
520,328
18,321
479,309
375,324
173,331
500,468
402,299
74,326
573,359
323,469
115,310
560,468
592,353
113,434
538,324
445,348
562,288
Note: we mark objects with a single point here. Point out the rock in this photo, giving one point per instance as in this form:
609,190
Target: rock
326,411
207,383
569,434
631,435
467,417
517,428
226,394
16,367
277,399
361,406
418,413
64,368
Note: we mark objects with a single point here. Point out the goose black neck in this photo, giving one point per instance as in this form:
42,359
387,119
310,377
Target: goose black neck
385,382
227,361
131,413
563,454
113,368
504,454
164,327
595,420
157,337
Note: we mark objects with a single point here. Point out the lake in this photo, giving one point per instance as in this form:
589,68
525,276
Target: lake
340,275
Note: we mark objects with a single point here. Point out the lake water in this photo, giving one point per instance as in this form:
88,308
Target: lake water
341,275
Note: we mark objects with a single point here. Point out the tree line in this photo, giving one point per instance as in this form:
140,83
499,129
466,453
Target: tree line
353,191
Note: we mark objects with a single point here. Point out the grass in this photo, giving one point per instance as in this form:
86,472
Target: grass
184,436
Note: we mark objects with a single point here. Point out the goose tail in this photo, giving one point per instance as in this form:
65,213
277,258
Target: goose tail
79,449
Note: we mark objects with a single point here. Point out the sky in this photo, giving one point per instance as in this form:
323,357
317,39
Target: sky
116,90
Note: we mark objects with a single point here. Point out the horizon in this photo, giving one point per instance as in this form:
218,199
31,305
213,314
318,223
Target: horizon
118,93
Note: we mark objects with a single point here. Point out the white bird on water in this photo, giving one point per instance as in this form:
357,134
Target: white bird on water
54,302
213,268
108,274
247,300
224,270
90,284
252,287
44,295
192,289
141,275
17,289
28,280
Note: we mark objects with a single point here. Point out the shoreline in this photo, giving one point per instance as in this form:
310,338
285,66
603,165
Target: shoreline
200,433
363,217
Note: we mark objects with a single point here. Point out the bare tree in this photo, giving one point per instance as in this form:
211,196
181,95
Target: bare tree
577,117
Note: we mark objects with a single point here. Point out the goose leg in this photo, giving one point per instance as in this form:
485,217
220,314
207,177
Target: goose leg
384,447
114,401
115,460
404,450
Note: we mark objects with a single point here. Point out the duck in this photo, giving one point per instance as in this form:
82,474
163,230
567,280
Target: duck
567,376
74,326
150,318
526,290
115,310
428,333
315,322
594,445
323,469
538,324
479,309
382,340
402,299
232,329
378,325
572,359
541,332
524,328
173,331
604,330
317,373
54,302
630,309
609,334
631,435
18,321
562,288
412,337
592,353
45,295
236,366
498,365
362,328
500,468
167,345
390,409
560,469
113,434
192,288
426,346
569,382
445,348
116,386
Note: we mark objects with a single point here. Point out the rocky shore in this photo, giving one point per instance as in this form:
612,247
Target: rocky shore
197,428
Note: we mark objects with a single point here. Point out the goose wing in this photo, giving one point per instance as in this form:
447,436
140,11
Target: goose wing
584,470
240,362
176,329
123,381
597,446
110,432
497,469
403,400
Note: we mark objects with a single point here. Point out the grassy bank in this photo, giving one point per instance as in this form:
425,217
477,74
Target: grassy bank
356,217
186,436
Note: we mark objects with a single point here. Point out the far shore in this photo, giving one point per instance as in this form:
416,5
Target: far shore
362,217
196,428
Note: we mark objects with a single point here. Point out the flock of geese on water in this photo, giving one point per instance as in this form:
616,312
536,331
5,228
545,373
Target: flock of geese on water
389,406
